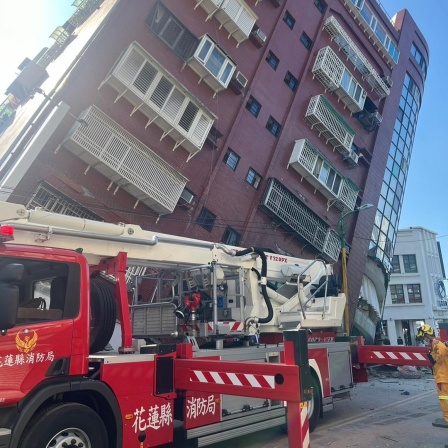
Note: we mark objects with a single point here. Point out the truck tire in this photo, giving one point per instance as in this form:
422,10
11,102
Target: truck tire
65,424
314,405
103,314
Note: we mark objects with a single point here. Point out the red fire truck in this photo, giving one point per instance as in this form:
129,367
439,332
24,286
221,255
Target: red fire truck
112,336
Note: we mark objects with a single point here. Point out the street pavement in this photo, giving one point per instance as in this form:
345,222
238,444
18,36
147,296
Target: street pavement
386,412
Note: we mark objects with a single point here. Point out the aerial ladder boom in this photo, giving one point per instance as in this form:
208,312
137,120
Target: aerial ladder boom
236,284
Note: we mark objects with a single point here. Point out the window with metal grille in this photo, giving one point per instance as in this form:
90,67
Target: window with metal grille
253,178
253,106
414,293
320,5
51,200
409,264
289,20
397,293
291,81
273,127
306,41
396,265
231,237
231,159
206,219
162,22
272,60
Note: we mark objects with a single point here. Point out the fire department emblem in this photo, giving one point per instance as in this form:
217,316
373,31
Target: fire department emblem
28,343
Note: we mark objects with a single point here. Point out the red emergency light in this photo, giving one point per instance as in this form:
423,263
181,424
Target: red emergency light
6,233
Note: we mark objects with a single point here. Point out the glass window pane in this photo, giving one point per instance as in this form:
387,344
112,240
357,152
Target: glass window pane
215,62
204,50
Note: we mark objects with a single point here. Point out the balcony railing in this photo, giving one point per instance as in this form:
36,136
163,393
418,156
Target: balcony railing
141,80
234,15
282,204
354,54
330,125
335,77
85,9
111,150
319,172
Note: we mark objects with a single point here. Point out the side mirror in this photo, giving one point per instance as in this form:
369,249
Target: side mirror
9,294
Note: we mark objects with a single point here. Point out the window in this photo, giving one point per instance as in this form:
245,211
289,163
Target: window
253,178
372,22
272,60
397,293
327,175
353,88
231,237
291,82
409,264
273,127
231,159
213,137
306,41
162,22
253,106
49,293
214,59
414,293
320,5
415,52
206,219
396,265
289,20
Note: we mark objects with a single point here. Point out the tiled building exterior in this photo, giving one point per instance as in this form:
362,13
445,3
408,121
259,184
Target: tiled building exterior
257,122
417,292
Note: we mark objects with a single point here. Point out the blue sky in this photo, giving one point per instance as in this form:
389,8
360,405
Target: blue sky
425,203
24,29
26,24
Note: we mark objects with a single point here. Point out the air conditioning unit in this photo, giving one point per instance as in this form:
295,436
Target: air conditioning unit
376,117
259,36
187,196
388,81
239,81
351,158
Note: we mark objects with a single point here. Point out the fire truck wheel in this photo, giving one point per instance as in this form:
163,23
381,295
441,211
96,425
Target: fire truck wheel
65,424
103,314
315,404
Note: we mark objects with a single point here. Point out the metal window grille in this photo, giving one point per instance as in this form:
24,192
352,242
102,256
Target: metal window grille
51,200
287,208
119,156
162,22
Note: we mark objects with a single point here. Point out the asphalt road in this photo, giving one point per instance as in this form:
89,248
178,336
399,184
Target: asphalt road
385,412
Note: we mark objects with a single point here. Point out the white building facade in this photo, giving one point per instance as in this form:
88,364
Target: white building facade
416,292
